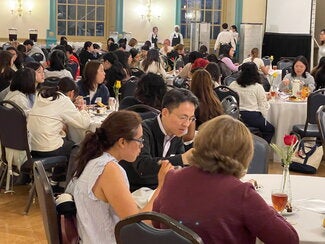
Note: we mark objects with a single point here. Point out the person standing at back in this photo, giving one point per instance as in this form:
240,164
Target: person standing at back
224,37
153,37
176,37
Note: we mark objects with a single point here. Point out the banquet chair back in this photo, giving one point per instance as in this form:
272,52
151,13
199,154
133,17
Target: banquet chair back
145,111
14,135
284,63
132,230
47,204
128,87
310,128
224,91
321,123
259,163
266,60
230,106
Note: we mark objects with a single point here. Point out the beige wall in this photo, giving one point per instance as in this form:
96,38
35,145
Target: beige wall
38,19
254,11
140,28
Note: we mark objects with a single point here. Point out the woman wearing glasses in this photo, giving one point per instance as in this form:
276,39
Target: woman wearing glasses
100,186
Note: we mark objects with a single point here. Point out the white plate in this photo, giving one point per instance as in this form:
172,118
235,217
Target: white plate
285,213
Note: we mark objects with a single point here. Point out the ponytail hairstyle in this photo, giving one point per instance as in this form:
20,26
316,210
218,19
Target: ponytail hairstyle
120,124
65,85
254,54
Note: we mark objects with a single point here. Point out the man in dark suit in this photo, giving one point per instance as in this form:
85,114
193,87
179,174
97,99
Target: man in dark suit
163,139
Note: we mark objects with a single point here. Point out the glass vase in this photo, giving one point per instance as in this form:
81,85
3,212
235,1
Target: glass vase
285,182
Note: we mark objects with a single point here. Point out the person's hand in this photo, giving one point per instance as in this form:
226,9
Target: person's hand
268,96
79,102
286,82
165,166
186,156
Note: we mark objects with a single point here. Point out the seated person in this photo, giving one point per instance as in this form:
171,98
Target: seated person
163,139
92,84
150,91
299,72
47,121
226,54
100,187
209,198
254,57
253,101
57,65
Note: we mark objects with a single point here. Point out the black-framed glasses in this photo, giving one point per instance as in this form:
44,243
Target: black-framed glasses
140,140
185,118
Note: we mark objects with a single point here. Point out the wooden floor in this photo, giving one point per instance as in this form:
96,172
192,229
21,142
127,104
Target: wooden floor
17,228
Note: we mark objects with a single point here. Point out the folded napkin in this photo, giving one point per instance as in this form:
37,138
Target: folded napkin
315,205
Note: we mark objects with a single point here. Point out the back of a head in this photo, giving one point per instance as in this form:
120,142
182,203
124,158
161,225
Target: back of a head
194,55
66,84
249,74
23,81
57,60
151,89
199,63
110,57
201,83
214,70
173,98
33,65
69,49
5,59
230,147
254,52
134,52
224,50
28,42
87,44
21,48
224,26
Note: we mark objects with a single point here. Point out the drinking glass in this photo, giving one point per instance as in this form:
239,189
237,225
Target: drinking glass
279,200
98,100
273,91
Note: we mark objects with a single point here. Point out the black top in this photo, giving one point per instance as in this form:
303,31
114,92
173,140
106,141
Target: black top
144,171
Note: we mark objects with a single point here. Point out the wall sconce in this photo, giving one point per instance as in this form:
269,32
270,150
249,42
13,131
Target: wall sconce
149,11
20,6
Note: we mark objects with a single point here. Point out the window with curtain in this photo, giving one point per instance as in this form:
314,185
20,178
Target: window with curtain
209,11
81,17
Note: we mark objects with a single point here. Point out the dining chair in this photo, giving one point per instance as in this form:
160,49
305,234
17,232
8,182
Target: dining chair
259,163
145,111
321,124
38,57
46,203
59,219
231,106
132,230
14,135
310,128
224,91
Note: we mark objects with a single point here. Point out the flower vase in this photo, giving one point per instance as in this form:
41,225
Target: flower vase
285,182
116,103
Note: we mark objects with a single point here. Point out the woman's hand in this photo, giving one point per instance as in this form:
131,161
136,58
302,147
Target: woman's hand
164,168
79,102
286,82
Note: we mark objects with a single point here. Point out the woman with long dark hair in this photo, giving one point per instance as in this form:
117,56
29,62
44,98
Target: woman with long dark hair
253,101
153,64
209,105
91,85
52,112
100,185
6,72
226,53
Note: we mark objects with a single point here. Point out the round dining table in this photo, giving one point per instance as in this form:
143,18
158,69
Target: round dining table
308,202
283,115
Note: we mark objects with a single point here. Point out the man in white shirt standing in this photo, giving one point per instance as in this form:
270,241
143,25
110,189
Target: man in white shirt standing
225,37
176,37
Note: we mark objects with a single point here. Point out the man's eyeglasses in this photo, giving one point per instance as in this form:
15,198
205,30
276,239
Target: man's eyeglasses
140,140
185,118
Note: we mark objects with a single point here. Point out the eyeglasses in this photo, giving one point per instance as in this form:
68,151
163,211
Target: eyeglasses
140,140
185,118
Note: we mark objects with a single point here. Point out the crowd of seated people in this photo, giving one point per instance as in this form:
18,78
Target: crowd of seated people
130,152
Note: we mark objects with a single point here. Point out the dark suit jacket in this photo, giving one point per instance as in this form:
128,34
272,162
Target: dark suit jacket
144,171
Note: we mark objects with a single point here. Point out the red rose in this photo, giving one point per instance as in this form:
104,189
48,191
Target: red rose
290,140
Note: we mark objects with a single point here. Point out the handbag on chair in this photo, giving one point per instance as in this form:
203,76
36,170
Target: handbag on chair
307,157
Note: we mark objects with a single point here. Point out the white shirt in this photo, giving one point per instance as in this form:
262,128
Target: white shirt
57,73
176,34
225,37
96,219
258,61
20,99
252,97
167,138
47,119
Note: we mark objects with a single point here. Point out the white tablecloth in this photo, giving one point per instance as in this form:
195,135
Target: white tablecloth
283,115
77,135
307,223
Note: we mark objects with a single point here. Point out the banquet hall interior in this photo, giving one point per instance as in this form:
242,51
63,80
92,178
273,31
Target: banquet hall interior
275,30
